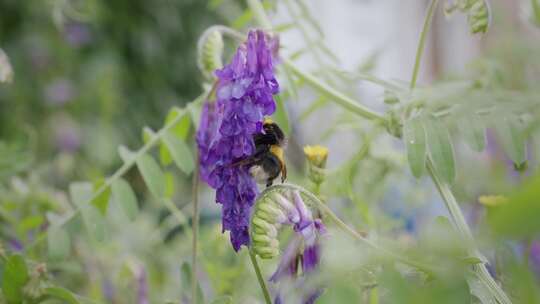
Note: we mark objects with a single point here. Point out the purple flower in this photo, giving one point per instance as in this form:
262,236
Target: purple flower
534,257
142,286
244,95
303,249
16,245
77,34
59,92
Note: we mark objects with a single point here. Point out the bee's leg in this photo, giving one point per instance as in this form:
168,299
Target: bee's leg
269,182
283,173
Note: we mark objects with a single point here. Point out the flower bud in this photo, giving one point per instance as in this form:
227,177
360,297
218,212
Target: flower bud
210,50
492,200
316,156
290,211
478,13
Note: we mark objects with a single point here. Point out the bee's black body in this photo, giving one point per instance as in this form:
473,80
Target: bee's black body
267,162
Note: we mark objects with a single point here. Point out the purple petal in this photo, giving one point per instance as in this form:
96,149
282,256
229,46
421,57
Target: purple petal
288,265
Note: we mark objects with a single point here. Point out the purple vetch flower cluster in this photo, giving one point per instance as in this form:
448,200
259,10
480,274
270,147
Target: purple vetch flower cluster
304,248
244,95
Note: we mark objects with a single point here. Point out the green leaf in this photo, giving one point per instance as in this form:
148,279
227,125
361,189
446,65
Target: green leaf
473,131
61,294
164,155
242,20
195,110
123,195
440,148
169,184
81,193
180,152
414,136
125,154
511,137
152,175
472,260
102,200
14,278
147,134
281,116
181,128
29,223
58,242
518,217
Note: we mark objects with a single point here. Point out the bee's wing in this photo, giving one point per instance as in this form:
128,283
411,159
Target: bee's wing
246,161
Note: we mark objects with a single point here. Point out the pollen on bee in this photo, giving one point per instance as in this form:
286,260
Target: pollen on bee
259,174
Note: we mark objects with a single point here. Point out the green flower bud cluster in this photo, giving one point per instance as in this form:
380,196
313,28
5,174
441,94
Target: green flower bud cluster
478,13
210,50
269,213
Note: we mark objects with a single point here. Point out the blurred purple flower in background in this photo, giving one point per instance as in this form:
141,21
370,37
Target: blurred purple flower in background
16,245
67,136
534,257
244,96
77,34
142,286
59,92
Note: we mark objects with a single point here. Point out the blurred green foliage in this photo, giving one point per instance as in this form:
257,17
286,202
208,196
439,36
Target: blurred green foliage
90,74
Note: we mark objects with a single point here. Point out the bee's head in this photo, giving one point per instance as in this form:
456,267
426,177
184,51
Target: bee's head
270,127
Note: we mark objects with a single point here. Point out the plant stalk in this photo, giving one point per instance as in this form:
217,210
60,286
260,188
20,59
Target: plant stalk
260,278
338,97
449,199
463,229
195,229
421,44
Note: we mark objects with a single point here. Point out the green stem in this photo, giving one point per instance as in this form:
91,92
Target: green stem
536,11
422,42
449,199
341,99
260,278
463,229
338,97
195,230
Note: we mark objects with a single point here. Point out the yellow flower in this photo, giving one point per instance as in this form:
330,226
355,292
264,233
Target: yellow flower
492,200
316,155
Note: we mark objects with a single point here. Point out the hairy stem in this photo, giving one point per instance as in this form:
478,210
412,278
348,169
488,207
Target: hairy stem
195,229
463,229
449,199
422,42
338,97
260,278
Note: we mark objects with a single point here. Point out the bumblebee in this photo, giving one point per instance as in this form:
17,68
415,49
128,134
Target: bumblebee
267,163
